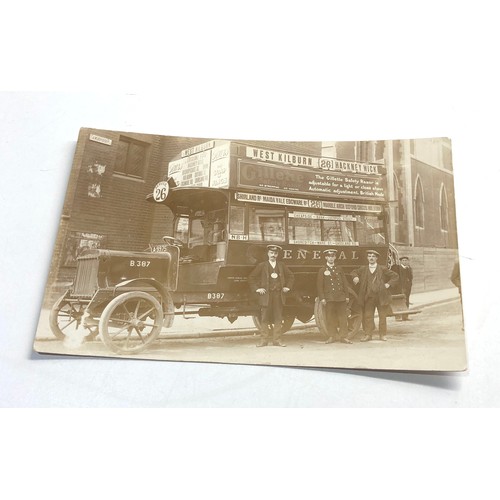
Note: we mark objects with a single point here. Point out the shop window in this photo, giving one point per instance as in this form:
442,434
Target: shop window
131,158
266,225
78,243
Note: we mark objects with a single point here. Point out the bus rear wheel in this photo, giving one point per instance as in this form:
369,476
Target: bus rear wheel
320,318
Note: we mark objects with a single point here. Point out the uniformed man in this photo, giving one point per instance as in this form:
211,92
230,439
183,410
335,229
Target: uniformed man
374,283
271,280
333,292
405,273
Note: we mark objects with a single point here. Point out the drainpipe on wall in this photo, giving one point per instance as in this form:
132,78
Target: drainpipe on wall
389,164
408,186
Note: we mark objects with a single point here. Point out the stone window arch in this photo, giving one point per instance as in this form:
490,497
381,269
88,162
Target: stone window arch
443,208
419,203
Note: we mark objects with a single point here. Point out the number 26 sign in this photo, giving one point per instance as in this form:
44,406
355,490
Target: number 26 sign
160,191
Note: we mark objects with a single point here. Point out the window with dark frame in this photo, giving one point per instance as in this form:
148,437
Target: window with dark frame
131,158
419,204
443,209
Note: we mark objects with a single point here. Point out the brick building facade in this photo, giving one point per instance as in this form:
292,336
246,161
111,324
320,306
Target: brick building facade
421,202
105,204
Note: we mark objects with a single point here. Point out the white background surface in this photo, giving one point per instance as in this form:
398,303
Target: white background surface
358,71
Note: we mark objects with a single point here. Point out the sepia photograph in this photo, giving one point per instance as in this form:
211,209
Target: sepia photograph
338,254
248,236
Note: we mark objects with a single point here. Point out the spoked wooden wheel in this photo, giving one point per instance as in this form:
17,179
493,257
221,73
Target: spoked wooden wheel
131,322
66,317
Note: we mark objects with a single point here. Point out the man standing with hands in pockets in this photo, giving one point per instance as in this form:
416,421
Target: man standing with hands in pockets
374,283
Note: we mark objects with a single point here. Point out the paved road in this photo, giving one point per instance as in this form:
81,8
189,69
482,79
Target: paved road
433,340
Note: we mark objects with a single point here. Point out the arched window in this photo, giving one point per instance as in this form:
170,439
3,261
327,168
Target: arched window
419,203
443,208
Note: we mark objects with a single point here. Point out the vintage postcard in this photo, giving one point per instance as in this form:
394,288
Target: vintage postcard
318,254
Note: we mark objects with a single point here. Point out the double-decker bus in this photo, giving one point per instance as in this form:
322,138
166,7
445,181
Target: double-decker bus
230,200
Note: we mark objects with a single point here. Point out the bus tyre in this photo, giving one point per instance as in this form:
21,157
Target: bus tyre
131,322
168,310
320,317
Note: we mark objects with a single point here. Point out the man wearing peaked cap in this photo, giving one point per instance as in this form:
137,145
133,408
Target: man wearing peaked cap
271,280
374,283
333,294
405,273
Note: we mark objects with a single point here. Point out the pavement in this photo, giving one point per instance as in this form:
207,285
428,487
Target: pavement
192,326
212,327
419,300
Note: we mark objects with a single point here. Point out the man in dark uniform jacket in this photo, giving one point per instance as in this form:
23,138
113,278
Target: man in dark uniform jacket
374,283
271,280
333,292
405,281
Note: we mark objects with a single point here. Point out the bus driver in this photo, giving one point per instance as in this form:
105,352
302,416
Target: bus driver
271,280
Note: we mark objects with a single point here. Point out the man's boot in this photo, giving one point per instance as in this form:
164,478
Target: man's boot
264,335
366,338
276,336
